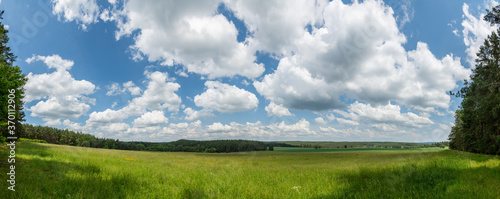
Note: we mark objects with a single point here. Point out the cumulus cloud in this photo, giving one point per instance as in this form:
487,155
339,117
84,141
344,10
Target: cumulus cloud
363,58
320,120
54,61
84,12
276,24
277,110
159,95
153,118
116,89
107,116
349,122
217,126
475,31
187,33
196,115
226,98
65,96
385,114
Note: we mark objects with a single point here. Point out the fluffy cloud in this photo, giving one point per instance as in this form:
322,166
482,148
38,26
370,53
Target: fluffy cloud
187,33
159,95
385,114
277,110
475,31
107,116
349,122
54,61
116,89
84,12
291,85
276,24
153,118
65,96
195,115
320,120
226,98
358,52
217,126
59,109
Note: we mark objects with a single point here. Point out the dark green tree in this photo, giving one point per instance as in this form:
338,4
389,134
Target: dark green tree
477,122
11,79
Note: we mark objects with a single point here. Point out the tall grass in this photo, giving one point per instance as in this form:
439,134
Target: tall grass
55,171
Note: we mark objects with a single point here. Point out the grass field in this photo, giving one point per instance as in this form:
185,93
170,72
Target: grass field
55,171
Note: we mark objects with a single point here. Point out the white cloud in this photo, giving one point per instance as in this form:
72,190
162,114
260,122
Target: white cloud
363,58
187,33
475,31
159,95
153,118
217,126
107,116
69,107
116,89
389,114
226,98
320,120
84,12
53,61
277,110
65,96
196,115
349,122
275,25
181,73
114,127
407,12
291,85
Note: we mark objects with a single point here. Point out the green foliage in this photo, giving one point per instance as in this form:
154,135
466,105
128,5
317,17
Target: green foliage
477,122
11,77
2,139
32,140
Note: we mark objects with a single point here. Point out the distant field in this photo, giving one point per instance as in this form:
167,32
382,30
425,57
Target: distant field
299,149
55,171
342,145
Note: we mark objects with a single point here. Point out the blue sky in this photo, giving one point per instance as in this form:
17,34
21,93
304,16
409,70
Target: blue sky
265,70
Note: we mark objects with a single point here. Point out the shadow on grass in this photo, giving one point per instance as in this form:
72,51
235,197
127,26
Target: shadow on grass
436,179
42,177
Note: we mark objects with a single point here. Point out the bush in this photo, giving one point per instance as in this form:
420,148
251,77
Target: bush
211,150
31,140
2,139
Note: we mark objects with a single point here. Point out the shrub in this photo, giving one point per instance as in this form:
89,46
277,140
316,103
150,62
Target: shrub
31,140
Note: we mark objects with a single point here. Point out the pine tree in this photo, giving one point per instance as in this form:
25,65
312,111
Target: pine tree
11,77
477,122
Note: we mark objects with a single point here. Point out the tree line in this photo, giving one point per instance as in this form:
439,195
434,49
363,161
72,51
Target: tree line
477,121
68,137
12,82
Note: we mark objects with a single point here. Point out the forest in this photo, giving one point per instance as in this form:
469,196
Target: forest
477,121
67,137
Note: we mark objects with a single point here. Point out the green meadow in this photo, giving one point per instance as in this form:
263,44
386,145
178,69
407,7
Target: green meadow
58,171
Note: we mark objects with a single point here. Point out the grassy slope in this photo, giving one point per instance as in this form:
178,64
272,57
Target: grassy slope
54,171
